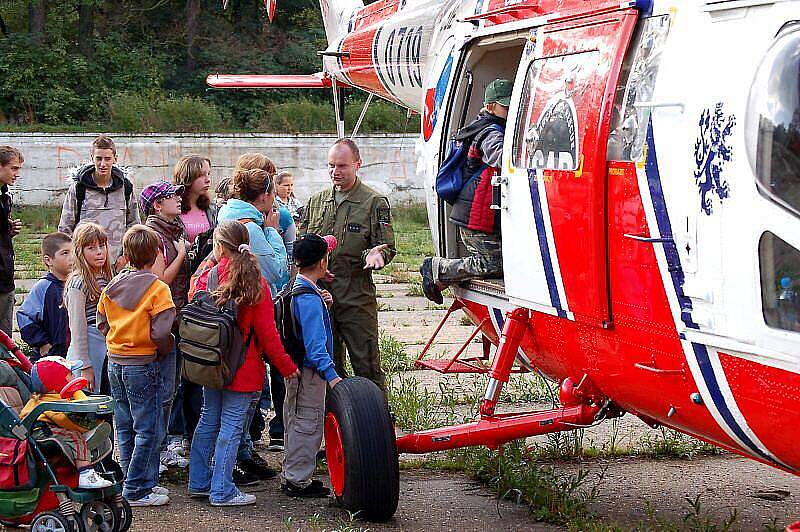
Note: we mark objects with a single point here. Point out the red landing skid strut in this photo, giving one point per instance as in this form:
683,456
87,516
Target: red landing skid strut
580,408
457,364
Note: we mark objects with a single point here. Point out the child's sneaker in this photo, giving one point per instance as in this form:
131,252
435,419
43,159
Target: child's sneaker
275,445
90,480
169,459
242,499
314,490
153,499
176,447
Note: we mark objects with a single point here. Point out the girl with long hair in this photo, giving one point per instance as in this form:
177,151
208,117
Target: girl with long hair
224,412
284,186
91,273
198,213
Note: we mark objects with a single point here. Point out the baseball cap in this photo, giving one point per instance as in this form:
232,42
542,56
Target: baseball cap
498,91
156,191
311,248
52,373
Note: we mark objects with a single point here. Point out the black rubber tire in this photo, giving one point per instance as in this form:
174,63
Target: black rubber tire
100,516
55,517
371,466
124,515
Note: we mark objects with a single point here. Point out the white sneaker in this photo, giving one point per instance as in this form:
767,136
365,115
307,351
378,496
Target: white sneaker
161,490
176,447
89,479
153,499
169,459
243,499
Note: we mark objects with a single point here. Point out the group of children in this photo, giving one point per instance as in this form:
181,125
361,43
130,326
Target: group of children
114,287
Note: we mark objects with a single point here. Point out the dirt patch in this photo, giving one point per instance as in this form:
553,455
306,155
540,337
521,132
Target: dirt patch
428,501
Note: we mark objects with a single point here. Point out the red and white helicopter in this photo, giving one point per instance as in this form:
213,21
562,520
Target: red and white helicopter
650,207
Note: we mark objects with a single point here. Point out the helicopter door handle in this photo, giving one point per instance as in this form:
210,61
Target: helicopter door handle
658,370
649,239
498,193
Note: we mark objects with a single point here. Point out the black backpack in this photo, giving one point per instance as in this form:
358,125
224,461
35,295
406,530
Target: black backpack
211,344
285,321
201,248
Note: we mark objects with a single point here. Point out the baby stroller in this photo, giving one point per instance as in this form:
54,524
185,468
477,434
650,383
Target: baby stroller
38,481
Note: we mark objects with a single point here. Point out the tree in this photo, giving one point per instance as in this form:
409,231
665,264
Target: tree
192,15
86,28
37,19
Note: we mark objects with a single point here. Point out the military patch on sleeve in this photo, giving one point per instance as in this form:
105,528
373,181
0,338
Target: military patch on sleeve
384,215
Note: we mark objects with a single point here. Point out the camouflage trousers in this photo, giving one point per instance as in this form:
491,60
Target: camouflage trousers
485,259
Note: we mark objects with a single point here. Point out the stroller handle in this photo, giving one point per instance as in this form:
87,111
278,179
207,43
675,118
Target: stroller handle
97,404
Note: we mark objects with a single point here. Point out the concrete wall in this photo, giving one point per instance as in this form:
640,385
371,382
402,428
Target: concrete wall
389,161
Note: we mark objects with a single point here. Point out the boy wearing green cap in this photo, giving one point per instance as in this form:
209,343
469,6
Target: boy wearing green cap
478,224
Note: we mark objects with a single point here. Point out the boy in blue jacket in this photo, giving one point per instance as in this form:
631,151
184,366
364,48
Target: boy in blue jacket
42,318
304,408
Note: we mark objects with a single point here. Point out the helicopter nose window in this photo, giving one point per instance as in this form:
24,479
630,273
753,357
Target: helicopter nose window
780,282
772,123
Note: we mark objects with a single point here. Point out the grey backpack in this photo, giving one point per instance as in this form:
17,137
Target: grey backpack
211,344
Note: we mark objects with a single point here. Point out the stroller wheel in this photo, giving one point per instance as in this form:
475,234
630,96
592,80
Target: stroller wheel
55,522
99,516
124,515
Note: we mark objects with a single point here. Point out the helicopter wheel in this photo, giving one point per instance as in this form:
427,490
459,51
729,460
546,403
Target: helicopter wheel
361,451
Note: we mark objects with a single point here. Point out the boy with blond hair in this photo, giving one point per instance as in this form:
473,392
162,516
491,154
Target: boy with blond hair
136,313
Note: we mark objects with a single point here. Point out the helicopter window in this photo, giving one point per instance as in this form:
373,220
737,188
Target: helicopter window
772,122
547,136
780,282
637,81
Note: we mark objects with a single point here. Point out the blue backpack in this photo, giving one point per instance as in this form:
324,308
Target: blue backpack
450,178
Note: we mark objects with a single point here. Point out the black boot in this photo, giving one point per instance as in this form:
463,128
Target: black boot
428,285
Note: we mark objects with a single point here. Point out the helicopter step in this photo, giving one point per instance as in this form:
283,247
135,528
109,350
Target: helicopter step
456,364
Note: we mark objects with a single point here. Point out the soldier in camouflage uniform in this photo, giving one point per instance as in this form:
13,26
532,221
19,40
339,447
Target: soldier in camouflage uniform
101,193
361,220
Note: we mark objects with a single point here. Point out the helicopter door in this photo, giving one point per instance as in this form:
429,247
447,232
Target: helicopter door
553,185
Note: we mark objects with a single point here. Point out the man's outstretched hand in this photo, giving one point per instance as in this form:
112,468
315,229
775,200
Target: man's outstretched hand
374,260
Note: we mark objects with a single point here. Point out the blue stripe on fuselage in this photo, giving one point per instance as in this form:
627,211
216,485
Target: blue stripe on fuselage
544,247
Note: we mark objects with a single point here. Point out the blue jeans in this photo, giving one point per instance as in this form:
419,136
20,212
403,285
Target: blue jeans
217,436
137,411
245,447
169,383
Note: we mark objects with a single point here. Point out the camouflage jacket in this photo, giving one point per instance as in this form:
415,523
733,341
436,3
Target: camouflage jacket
362,221
106,207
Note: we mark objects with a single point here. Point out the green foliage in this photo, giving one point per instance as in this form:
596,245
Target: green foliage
132,112
150,53
306,115
514,474
53,84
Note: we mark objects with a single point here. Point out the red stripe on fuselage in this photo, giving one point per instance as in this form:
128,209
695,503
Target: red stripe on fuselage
768,398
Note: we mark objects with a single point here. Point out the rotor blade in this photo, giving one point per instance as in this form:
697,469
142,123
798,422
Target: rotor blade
271,81
270,8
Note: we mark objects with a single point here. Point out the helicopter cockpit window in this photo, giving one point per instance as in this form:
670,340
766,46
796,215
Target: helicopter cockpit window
547,135
780,282
772,123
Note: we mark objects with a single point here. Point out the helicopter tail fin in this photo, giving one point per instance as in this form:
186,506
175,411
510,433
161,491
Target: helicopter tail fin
337,16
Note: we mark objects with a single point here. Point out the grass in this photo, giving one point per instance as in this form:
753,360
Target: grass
413,241
36,221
